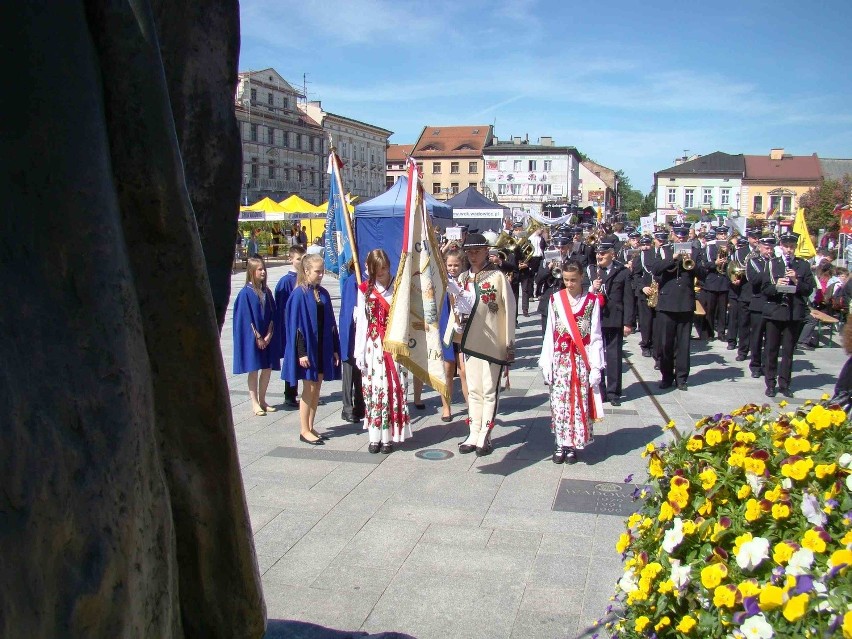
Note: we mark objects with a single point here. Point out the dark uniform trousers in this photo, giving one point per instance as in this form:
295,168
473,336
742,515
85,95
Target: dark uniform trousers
781,339
673,331
614,350
353,393
646,323
527,277
715,308
739,326
757,332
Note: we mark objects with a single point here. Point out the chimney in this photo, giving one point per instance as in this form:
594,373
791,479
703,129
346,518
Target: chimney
547,141
516,139
776,154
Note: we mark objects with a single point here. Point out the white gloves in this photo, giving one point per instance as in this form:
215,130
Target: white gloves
360,363
464,302
595,377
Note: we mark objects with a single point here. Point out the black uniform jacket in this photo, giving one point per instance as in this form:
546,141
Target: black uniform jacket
677,285
787,307
617,310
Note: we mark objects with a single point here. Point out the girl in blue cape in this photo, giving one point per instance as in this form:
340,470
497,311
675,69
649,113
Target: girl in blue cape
254,329
312,345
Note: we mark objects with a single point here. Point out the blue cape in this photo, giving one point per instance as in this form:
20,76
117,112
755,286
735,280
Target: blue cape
301,315
282,291
348,301
247,312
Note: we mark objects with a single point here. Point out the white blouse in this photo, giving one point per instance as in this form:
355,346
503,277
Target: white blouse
360,318
595,348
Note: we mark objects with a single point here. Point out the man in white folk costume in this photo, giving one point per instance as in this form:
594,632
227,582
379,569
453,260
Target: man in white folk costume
484,321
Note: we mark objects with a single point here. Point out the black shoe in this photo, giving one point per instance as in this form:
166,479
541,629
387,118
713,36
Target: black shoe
291,403
740,358
464,449
387,448
665,384
771,392
807,347
447,419
316,442
349,418
731,346
646,352
786,392
482,451
420,406
571,456
756,374
374,447
615,401
559,455
682,386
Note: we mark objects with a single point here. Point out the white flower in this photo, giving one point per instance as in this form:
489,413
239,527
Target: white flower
680,574
845,460
673,537
628,581
812,511
849,482
800,562
756,627
756,483
786,483
751,553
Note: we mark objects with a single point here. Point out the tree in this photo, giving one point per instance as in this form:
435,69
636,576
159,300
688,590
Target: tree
820,201
628,198
649,204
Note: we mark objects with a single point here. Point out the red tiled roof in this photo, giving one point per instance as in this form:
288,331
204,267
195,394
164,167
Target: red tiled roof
453,141
790,167
398,152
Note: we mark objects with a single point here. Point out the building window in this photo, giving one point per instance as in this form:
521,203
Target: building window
501,165
270,100
689,198
454,187
285,139
516,165
270,135
286,103
254,133
540,189
533,165
758,204
726,197
254,95
781,203
548,165
343,149
671,196
707,197
301,175
313,179
271,170
420,168
255,169
502,189
471,185
516,189
436,167
472,167
436,188
286,175
454,167
389,181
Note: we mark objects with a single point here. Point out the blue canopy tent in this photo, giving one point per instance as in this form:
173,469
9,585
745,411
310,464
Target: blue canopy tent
378,222
477,211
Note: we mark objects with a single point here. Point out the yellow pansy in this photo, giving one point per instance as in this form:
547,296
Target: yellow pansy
846,539
820,417
641,623
782,552
688,527
694,444
662,623
774,494
749,588
636,595
796,445
797,470
796,607
771,597
839,557
753,511
739,541
752,465
801,426
780,511
650,448
706,508
655,466
622,543
847,625
634,520
744,491
687,623
712,575
725,596
745,436
666,512
713,436
825,470
838,417
736,459
647,522
813,541
708,478
651,570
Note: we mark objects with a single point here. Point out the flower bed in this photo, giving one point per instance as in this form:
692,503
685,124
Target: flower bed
746,530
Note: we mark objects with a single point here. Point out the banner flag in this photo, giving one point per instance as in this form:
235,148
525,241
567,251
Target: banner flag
413,337
339,238
805,247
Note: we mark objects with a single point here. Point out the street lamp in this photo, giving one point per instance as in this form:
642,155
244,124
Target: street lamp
245,188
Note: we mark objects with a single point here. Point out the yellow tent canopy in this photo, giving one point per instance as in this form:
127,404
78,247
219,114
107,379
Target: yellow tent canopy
267,205
295,204
805,247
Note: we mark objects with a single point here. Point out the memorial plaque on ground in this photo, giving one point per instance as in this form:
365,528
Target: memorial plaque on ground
597,497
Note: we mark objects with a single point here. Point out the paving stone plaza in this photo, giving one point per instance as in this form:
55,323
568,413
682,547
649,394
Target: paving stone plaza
438,545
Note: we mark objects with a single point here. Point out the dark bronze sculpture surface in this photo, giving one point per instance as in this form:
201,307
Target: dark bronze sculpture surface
122,512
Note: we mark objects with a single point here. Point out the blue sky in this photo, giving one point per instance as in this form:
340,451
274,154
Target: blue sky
631,84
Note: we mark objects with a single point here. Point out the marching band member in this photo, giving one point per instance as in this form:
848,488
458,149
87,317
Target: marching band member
675,309
642,280
715,286
784,312
738,320
571,360
755,272
486,306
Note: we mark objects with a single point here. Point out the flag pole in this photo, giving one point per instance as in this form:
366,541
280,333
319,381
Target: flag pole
349,230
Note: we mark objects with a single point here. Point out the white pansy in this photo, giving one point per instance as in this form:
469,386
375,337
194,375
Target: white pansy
680,574
751,553
812,511
800,563
628,581
786,483
845,460
849,482
756,483
756,627
673,537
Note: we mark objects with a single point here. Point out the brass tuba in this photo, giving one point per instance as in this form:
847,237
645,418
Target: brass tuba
654,295
723,254
520,244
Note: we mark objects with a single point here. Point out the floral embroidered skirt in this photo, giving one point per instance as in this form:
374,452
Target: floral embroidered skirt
384,393
570,411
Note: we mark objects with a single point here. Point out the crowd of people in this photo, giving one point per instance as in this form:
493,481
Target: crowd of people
594,287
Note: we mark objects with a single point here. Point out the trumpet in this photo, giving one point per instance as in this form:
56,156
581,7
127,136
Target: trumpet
687,262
